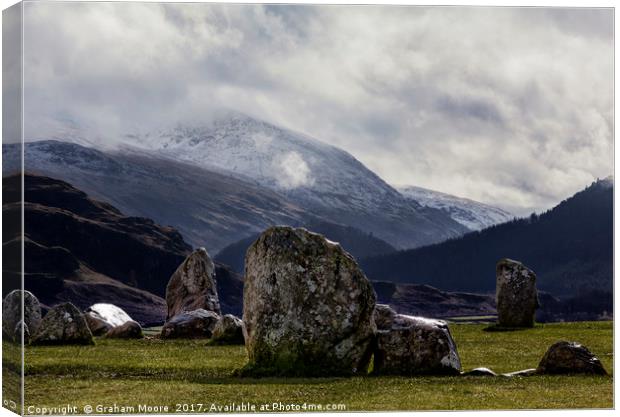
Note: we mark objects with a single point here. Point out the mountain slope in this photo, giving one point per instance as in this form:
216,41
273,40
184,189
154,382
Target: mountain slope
215,209
471,214
321,178
354,241
209,209
82,250
570,247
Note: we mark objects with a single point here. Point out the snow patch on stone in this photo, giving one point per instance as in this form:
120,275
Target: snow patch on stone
111,314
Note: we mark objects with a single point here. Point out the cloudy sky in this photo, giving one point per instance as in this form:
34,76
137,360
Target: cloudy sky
504,105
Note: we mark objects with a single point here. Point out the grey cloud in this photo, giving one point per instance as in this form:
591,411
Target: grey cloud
467,108
511,106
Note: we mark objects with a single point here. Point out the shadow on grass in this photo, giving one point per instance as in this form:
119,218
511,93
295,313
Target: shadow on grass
211,376
498,328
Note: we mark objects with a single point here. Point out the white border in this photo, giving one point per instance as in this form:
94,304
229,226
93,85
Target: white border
524,3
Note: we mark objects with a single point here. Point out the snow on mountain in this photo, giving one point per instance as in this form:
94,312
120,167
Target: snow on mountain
319,177
313,175
471,214
289,162
210,209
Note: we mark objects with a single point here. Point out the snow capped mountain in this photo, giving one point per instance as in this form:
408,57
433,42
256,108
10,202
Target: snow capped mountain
321,178
286,161
299,172
469,213
210,209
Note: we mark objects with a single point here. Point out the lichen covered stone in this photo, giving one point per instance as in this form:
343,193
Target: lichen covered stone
12,316
308,307
63,325
416,346
384,316
197,324
570,358
516,294
193,285
228,331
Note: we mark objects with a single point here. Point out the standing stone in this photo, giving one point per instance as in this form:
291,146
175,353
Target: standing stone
307,306
416,346
228,331
516,295
570,358
63,325
193,285
11,314
195,324
128,330
102,317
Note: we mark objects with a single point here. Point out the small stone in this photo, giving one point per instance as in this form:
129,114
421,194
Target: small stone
516,295
524,372
228,331
479,372
416,346
384,316
63,325
570,358
195,324
97,326
128,330
103,317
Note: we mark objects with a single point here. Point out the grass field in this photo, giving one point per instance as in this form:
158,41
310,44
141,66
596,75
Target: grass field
187,373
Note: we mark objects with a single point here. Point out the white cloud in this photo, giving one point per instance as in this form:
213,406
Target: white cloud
505,105
294,171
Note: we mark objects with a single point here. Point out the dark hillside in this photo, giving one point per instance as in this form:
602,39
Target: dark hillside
570,247
356,242
85,251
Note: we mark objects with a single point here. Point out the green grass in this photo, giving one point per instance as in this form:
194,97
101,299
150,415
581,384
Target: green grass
158,373
11,375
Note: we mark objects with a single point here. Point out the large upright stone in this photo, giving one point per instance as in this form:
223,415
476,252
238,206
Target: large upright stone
409,345
63,325
12,316
193,285
307,306
516,295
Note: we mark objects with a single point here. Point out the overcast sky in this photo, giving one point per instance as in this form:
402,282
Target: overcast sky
508,106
